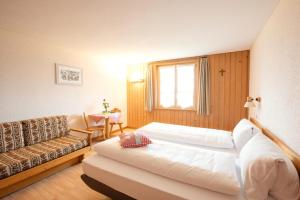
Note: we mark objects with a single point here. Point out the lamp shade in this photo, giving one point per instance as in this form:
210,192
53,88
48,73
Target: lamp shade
249,104
136,77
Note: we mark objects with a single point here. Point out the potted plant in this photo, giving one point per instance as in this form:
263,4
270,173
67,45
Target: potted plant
105,106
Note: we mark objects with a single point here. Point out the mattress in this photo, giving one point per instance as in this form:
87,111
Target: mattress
144,185
203,168
188,135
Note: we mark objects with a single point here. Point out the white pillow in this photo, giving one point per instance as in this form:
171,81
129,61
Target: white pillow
267,172
243,132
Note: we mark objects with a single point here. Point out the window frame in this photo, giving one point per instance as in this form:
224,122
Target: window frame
156,67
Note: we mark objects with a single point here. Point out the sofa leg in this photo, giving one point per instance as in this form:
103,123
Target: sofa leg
111,128
81,157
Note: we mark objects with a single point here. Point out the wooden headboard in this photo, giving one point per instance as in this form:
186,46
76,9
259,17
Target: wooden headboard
295,158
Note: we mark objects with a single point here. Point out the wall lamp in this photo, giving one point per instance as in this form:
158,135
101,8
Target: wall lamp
249,103
136,78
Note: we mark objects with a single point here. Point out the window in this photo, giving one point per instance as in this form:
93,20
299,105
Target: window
176,85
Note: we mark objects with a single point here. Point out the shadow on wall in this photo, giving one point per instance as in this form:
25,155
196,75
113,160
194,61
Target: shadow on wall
76,121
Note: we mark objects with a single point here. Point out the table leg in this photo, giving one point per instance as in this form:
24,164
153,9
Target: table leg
106,128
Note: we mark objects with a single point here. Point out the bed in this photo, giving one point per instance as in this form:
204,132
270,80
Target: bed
124,177
140,184
196,136
119,180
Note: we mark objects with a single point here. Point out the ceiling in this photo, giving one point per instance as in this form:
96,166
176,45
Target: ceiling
139,30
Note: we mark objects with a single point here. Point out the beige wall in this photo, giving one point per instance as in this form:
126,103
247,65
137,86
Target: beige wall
275,73
27,81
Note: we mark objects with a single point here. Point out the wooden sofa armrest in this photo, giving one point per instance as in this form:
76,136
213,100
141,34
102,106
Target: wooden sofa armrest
81,131
89,133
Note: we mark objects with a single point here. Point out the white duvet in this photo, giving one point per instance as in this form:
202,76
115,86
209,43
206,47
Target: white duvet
202,168
188,135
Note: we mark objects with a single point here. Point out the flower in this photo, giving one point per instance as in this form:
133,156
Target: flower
105,106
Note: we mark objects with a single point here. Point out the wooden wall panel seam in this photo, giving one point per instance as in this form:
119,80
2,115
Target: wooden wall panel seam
228,94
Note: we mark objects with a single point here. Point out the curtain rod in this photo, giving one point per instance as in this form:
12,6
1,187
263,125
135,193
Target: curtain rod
178,59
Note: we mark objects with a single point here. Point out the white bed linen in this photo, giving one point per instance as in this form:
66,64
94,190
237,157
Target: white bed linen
188,135
144,185
203,168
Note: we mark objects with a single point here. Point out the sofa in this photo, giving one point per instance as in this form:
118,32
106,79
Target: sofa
33,149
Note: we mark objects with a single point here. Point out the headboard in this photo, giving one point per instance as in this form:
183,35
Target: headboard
295,158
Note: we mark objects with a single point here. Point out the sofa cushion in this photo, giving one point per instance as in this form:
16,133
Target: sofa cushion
11,136
44,129
27,157
63,127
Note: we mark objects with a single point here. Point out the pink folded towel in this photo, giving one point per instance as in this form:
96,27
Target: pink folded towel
131,140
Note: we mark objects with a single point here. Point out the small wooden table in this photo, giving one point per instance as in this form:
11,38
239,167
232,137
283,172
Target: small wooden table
98,117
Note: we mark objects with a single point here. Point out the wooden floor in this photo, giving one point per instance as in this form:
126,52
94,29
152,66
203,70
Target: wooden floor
64,185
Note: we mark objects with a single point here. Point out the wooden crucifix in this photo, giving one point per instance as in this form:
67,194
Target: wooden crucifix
222,71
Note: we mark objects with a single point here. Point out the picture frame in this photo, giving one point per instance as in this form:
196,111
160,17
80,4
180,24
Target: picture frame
68,75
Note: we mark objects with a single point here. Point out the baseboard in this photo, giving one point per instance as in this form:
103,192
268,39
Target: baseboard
117,130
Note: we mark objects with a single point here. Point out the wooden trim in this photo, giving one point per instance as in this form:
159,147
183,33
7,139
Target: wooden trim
192,57
293,156
22,184
177,60
176,108
117,130
86,132
85,121
81,131
228,94
131,127
174,63
175,88
155,84
27,177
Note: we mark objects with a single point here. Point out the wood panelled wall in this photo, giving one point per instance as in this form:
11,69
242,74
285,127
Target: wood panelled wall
228,95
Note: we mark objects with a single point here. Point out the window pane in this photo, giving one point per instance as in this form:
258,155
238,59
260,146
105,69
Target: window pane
167,86
185,85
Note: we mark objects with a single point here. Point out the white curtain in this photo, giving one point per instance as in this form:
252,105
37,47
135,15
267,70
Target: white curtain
149,89
203,103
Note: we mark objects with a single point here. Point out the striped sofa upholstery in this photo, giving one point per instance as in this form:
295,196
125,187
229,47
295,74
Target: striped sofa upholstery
44,129
11,136
45,139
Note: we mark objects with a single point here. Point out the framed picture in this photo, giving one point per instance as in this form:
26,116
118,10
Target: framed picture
67,75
